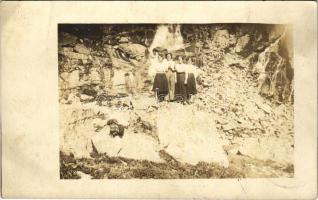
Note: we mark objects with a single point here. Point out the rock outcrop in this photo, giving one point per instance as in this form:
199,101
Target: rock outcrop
190,135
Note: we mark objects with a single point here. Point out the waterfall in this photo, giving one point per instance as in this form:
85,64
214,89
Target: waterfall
168,37
264,58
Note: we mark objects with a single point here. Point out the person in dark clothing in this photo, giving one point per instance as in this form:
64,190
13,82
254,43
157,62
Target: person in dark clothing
191,82
181,84
160,83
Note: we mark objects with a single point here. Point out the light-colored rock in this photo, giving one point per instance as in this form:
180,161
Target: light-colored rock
134,146
266,108
85,97
65,50
123,40
119,78
76,139
268,148
144,103
241,43
121,116
118,81
229,126
107,79
74,55
81,48
74,79
133,49
84,176
95,75
70,80
190,136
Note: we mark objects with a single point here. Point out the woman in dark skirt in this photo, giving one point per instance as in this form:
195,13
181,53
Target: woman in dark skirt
160,84
191,83
181,84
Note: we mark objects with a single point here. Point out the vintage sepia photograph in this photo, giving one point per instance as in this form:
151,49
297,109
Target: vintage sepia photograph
159,99
176,101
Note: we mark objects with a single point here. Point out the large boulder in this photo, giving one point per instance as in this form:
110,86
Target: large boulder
76,128
268,148
134,146
190,135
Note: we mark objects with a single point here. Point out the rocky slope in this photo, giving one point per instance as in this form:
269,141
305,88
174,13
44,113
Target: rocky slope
249,130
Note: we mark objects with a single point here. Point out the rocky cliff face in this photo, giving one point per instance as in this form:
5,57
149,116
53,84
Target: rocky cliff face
245,87
103,54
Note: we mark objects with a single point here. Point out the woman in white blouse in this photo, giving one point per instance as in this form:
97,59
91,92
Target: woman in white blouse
154,56
191,81
160,83
182,77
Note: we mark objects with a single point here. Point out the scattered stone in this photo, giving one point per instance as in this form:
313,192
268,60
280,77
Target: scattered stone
266,108
86,98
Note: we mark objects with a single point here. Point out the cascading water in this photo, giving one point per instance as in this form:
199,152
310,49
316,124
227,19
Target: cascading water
264,58
168,37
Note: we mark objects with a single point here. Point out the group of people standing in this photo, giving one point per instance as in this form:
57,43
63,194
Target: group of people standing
175,79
